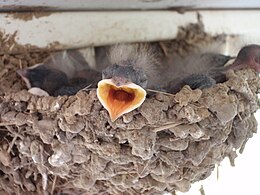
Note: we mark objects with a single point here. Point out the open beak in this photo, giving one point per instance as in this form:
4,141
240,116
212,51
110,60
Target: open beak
118,100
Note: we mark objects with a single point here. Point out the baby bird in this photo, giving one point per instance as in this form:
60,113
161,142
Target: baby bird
248,56
63,73
202,70
132,68
44,78
198,70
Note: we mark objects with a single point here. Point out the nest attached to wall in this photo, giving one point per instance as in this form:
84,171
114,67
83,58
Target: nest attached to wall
68,145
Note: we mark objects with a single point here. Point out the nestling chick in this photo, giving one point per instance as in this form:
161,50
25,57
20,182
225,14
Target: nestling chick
131,69
46,78
198,70
248,56
63,73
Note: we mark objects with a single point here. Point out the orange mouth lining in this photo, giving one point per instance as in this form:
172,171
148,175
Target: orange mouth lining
120,100
121,95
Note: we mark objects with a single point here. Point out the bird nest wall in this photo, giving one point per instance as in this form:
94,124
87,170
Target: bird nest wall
68,144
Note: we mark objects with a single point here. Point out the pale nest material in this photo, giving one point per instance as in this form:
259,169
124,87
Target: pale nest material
68,145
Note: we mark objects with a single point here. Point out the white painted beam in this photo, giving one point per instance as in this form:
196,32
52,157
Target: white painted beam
81,29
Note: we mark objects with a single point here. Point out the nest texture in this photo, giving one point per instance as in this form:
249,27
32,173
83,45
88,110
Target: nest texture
69,145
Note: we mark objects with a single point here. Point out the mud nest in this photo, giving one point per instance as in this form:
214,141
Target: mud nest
68,145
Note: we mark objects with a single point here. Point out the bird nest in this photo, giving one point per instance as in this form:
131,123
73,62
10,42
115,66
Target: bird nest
69,145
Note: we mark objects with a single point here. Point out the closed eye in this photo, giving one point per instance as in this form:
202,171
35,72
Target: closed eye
257,60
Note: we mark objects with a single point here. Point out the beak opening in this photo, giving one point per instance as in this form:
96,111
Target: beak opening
118,100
